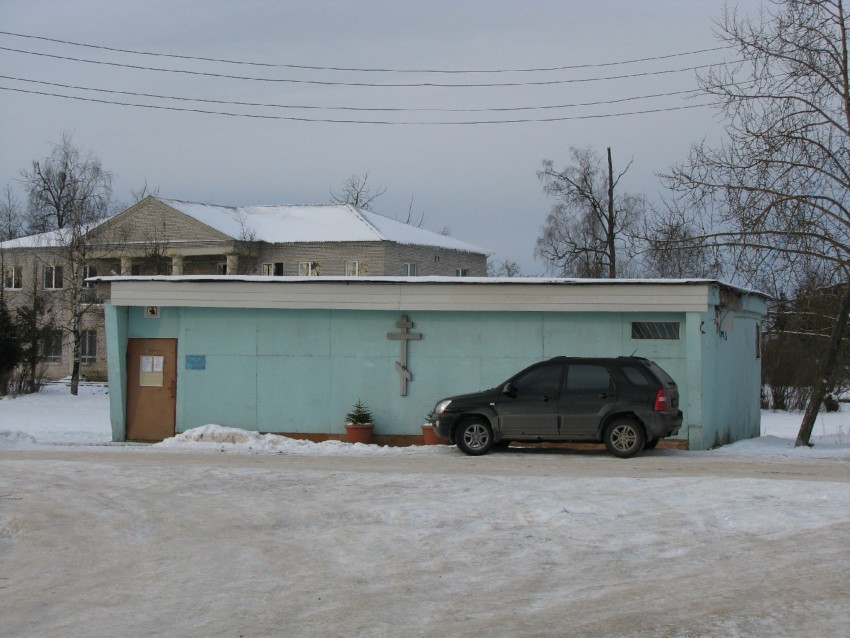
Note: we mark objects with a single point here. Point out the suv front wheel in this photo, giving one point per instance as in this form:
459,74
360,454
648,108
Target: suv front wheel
474,437
624,437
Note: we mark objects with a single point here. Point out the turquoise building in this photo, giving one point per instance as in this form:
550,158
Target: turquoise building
291,355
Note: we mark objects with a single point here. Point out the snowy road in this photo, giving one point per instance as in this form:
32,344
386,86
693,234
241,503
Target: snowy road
149,541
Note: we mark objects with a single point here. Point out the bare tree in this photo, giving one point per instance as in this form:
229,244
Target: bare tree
137,195
246,248
11,226
11,217
358,192
778,189
66,189
590,222
504,268
411,217
674,246
68,192
156,245
145,191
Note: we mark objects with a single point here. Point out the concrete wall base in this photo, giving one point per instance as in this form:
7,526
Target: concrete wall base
405,440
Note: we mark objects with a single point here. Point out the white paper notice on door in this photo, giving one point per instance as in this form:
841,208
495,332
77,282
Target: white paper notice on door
151,370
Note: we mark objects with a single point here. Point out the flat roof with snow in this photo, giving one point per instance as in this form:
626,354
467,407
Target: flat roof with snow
421,293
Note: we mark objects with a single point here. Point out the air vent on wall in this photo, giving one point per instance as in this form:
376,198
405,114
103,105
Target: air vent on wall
152,312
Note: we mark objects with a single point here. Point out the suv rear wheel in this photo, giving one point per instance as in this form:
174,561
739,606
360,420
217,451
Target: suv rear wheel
474,437
624,437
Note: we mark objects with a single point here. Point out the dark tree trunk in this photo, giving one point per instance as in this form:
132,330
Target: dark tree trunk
612,246
821,383
76,334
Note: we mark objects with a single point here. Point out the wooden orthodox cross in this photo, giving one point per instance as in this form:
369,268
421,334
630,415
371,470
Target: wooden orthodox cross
404,336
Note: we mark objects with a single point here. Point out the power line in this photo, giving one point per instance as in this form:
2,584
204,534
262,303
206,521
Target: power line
361,69
356,108
363,84
378,122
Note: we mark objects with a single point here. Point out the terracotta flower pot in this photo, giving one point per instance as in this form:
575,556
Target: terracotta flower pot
431,437
359,432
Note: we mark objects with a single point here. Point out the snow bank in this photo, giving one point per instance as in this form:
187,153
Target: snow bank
830,437
55,416
224,439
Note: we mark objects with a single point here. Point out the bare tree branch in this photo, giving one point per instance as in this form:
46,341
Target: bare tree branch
776,194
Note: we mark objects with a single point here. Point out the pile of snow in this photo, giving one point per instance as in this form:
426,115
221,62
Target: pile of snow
224,439
55,417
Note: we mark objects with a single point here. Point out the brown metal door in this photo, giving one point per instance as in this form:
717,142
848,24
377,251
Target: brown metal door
151,389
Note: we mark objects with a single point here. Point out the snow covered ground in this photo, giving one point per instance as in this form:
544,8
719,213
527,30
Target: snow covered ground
227,533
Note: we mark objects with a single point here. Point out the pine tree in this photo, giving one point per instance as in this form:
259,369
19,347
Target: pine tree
359,415
10,347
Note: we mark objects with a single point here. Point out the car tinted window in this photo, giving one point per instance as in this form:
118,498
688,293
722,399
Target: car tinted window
539,380
637,376
665,378
588,378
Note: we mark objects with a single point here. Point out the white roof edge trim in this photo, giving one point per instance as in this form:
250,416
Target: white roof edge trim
522,281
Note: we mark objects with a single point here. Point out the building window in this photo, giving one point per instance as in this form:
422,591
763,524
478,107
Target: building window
355,268
89,271
221,268
275,269
308,269
655,329
136,270
462,272
52,277
51,347
410,270
14,277
88,347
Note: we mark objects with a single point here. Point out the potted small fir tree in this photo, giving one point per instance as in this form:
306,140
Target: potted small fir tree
359,427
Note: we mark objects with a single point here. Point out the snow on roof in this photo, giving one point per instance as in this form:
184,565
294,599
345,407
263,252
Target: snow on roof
315,223
50,239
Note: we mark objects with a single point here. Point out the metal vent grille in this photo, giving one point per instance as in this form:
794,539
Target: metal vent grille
655,329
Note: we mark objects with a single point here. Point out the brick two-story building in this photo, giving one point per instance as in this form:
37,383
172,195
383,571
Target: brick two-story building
169,237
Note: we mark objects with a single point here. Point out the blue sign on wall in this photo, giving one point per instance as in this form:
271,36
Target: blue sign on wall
196,362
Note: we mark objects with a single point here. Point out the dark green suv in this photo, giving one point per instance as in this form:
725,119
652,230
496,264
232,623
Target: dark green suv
629,403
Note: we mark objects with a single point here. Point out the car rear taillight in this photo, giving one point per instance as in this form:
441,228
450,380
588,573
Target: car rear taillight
662,401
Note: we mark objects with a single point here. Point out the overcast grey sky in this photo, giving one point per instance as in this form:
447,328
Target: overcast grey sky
477,179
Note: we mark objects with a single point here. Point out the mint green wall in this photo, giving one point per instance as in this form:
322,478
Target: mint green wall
116,322
301,370
732,376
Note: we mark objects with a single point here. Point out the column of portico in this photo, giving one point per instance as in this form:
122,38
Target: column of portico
176,264
232,264
126,265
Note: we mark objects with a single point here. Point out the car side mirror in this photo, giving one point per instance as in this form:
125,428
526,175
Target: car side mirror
509,389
